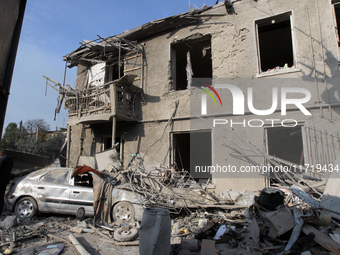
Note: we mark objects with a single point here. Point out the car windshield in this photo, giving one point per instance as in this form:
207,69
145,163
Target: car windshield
59,176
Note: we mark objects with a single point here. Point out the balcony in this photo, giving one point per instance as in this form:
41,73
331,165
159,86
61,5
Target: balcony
113,99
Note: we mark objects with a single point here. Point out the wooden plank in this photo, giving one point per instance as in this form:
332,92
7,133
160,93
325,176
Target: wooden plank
322,239
132,69
136,56
77,245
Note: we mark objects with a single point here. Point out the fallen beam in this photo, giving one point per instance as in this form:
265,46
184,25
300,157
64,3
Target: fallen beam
77,245
322,239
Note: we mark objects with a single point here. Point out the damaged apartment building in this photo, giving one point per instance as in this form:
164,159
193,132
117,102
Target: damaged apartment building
134,91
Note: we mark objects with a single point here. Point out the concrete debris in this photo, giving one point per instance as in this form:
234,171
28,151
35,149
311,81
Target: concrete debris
181,216
297,229
163,187
281,219
274,216
241,198
77,230
9,222
53,235
277,214
304,196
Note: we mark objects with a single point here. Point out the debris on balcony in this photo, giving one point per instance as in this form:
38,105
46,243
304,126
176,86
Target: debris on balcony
114,98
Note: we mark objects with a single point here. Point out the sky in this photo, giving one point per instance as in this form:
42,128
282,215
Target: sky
53,29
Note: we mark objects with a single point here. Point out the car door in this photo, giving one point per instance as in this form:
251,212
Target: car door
81,194
53,191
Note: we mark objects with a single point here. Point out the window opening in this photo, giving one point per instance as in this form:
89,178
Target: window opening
286,143
191,59
337,19
113,72
275,43
191,150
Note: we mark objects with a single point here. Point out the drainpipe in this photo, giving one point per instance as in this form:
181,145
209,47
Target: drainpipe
68,136
113,111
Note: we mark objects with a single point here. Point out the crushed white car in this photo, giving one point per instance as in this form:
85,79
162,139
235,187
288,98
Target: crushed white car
55,190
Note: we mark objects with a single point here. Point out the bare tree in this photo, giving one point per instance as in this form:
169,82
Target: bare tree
36,124
20,139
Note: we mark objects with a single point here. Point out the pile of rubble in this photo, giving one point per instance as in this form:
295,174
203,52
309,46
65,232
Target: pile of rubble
59,234
296,215
279,222
282,219
163,187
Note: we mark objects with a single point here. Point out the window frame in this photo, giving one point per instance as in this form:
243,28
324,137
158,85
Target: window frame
280,16
109,70
336,5
173,57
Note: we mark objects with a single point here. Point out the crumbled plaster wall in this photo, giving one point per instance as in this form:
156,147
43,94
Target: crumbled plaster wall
81,137
234,50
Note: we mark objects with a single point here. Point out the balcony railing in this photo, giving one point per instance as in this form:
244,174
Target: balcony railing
116,98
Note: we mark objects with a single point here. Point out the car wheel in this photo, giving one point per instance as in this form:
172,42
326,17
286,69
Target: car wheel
123,212
125,235
80,214
26,208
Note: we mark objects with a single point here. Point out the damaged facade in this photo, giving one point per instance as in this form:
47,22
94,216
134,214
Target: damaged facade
134,89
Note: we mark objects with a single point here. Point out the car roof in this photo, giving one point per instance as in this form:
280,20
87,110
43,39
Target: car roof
45,170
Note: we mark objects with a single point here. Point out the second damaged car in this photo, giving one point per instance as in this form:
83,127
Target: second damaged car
65,191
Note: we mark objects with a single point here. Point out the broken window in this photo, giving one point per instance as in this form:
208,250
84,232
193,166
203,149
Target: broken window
191,150
107,143
190,59
58,176
114,71
275,45
337,18
286,143
97,74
